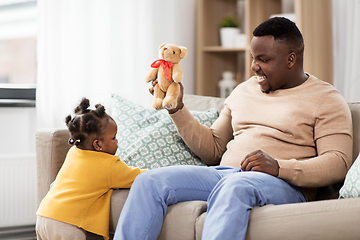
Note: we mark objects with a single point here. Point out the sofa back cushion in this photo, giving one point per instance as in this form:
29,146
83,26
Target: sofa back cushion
203,103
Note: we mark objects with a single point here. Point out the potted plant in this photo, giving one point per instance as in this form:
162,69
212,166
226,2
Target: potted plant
229,28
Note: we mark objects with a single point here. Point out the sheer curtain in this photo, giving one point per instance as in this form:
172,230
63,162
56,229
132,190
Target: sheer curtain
346,25
94,48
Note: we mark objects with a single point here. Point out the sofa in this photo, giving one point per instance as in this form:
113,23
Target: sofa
326,218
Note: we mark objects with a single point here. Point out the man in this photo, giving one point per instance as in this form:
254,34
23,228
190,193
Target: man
281,135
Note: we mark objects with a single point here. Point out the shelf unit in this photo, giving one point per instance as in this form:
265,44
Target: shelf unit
312,17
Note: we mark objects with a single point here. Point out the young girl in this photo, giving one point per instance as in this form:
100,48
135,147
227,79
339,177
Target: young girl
77,205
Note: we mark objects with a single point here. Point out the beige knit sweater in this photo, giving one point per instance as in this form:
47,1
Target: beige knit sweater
307,129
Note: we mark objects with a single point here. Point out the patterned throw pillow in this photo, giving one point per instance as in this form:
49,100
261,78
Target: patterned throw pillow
351,187
148,138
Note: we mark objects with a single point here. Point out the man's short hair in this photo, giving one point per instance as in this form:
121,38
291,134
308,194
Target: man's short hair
281,29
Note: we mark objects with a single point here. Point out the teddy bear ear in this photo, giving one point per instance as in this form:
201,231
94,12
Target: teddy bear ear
161,45
183,52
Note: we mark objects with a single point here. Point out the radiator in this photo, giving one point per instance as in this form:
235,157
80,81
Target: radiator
17,189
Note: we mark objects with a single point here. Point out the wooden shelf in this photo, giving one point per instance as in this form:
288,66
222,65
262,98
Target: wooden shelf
212,59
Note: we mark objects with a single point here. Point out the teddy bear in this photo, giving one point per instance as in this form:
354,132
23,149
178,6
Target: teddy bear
169,74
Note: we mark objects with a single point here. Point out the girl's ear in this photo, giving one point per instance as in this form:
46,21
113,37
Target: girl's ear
96,145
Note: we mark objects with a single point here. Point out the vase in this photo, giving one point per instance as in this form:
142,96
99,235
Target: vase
227,84
227,36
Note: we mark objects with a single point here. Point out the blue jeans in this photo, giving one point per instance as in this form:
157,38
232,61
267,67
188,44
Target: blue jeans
230,195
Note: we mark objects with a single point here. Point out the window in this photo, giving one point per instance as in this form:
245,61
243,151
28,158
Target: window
18,29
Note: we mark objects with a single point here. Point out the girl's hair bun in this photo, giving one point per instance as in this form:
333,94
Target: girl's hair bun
100,110
83,106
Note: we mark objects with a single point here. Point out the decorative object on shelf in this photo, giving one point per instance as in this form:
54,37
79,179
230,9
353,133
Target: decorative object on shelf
240,40
229,29
227,84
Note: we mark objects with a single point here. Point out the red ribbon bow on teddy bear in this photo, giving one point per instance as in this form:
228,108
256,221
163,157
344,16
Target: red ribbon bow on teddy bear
166,65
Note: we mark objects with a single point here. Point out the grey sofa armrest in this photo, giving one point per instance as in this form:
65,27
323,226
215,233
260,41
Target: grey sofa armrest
51,148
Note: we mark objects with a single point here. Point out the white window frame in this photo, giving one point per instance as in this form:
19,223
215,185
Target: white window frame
18,19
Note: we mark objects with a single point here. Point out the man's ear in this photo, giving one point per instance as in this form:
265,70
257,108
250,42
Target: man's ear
291,59
96,145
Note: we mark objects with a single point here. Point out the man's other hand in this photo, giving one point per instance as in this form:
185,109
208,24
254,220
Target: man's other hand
261,162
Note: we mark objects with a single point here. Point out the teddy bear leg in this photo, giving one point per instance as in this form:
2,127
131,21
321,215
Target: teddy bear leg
158,98
170,100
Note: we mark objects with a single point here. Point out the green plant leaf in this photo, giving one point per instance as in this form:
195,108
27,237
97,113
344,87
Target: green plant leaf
229,21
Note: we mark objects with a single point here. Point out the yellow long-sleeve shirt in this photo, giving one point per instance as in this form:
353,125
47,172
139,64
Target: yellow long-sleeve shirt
82,189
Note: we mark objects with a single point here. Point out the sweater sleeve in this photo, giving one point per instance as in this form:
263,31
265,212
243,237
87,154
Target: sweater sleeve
333,138
207,143
121,175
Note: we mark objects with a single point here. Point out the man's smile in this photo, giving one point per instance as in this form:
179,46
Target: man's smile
261,79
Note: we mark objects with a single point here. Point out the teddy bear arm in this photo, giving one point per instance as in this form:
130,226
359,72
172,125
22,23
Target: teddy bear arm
151,75
177,73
